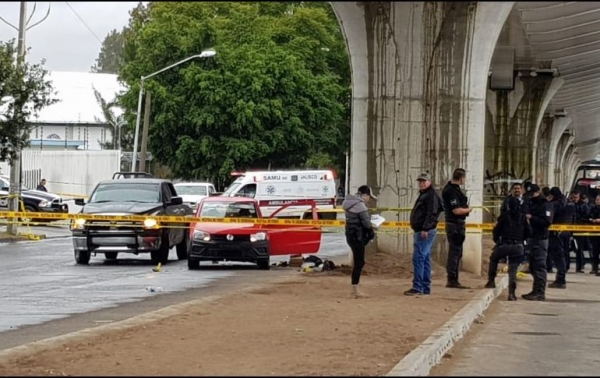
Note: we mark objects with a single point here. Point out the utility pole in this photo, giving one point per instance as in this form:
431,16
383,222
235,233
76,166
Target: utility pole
145,127
15,168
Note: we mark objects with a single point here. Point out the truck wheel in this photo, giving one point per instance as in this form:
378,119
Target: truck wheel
193,264
162,254
182,247
111,255
264,264
82,257
28,209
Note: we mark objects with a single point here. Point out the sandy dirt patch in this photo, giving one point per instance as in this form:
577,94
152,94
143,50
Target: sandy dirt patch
306,326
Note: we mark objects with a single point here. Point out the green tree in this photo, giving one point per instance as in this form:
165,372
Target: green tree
23,93
275,96
110,58
115,124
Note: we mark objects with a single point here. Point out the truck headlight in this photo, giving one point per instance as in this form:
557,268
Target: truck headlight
44,204
150,223
259,236
78,224
201,235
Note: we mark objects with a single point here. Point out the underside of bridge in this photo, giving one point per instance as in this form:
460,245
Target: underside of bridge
507,90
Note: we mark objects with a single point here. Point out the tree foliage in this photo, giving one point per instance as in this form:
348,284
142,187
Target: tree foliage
110,58
115,124
276,95
23,93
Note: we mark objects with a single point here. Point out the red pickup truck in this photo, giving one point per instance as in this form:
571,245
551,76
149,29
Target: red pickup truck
247,242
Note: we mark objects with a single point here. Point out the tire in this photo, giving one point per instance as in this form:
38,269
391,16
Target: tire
30,210
82,257
162,254
193,264
264,264
182,247
111,255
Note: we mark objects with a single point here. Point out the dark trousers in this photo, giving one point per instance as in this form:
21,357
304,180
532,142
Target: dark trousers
566,243
595,253
455,233
514,253
582,245
556,254
537,264
358,258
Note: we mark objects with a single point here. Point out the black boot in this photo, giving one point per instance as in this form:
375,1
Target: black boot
512,287
490,284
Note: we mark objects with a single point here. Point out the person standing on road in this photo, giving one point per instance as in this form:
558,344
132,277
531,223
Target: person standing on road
423,221
42,186
510,232
540,217
558,241
359,231
456,209
582,214
595,240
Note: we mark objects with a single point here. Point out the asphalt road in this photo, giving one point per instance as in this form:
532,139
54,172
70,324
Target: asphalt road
40,282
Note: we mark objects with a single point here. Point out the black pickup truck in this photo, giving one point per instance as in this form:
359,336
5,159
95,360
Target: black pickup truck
131,194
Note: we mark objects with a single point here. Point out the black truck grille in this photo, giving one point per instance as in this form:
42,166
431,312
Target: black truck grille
105,225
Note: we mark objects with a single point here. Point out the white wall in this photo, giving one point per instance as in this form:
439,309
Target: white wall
71,172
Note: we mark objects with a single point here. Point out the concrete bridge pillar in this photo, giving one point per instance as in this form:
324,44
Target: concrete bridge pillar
419,75
559,126
515,120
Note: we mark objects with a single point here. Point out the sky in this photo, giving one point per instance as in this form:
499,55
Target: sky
63,39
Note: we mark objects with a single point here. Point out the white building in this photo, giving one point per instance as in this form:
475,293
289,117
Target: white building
76,121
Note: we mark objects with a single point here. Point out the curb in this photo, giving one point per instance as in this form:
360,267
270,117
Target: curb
427,355
139,320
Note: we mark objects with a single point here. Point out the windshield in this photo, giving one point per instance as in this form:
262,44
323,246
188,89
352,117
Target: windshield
233,187
127,192
193,190
228,210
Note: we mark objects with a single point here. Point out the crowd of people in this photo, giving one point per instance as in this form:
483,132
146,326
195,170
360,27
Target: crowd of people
521,234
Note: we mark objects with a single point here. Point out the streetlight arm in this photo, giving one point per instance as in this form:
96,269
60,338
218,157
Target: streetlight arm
171,66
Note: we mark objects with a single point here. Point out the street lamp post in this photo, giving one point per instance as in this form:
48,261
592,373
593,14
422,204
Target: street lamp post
204,54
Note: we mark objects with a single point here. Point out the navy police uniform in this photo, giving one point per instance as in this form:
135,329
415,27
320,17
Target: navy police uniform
454,198
542,214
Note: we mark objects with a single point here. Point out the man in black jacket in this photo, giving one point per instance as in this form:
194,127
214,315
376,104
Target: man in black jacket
540,217
582,215
456,210
510,232
558,241
423,221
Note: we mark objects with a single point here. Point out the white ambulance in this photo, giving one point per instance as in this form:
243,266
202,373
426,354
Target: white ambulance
273,189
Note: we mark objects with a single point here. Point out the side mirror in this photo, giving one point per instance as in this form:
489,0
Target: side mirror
79,201
176,201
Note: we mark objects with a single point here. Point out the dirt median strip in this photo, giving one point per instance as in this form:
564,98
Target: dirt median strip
305,324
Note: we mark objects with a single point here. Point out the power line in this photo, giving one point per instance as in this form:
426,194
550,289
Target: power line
83,22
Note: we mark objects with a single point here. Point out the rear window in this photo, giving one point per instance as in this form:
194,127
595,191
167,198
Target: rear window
228,210
127,192
193,190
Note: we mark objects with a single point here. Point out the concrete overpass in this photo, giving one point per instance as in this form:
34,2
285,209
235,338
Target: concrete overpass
506,90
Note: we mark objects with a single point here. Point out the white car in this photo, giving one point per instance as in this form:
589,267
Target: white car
193,192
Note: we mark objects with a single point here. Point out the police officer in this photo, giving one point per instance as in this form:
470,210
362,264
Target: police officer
456,209
582,215
516,191
509,234
540,217
559,240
